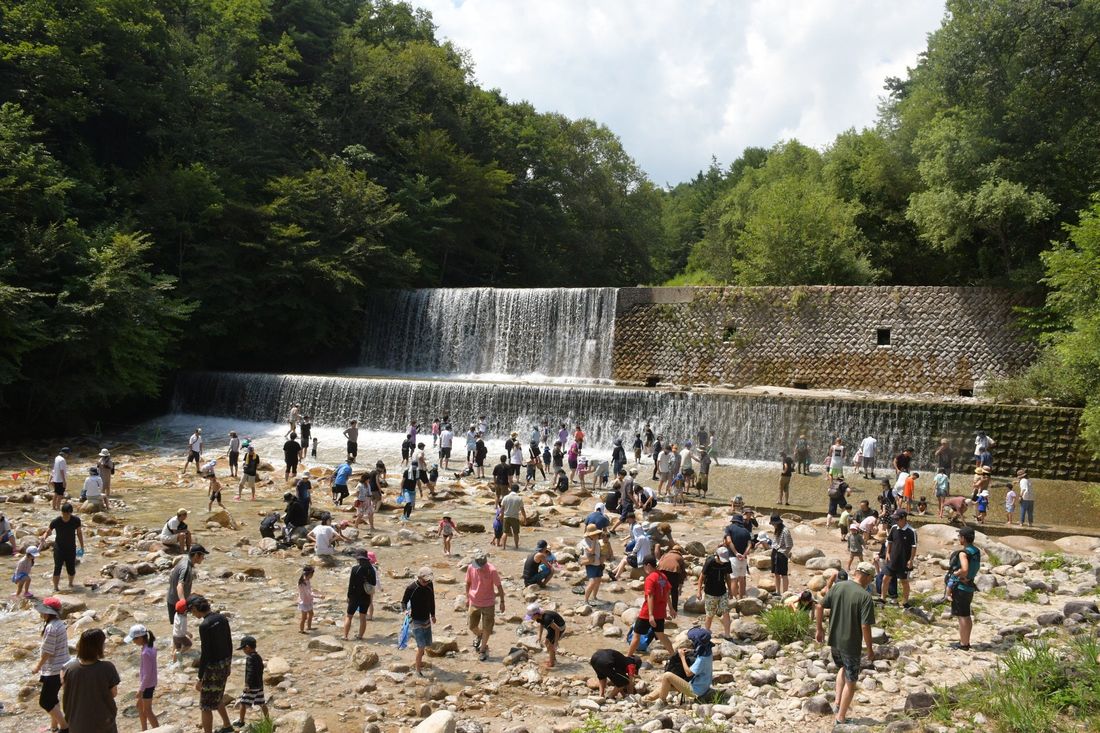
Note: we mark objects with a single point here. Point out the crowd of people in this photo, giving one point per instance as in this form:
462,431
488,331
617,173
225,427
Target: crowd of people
614,540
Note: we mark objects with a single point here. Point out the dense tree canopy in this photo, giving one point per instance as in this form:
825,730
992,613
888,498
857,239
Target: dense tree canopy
218,183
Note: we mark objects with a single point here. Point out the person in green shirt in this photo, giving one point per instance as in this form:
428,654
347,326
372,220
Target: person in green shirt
853,614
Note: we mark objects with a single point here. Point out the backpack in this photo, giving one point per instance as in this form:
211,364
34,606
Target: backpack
369,586
646,639
673,664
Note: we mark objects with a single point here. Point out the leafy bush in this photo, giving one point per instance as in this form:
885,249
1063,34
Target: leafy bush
786,625
1050,561
1035,689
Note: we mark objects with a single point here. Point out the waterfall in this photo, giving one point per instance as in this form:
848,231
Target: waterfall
554,332
754,427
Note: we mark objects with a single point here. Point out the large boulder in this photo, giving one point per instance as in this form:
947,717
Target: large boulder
1076,544
441,721
222,519
296,722
275,670
823,563
325,643
1004,553
748,630
695,549
801,554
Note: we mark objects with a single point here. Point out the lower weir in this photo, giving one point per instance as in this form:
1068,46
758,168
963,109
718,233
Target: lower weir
1044,440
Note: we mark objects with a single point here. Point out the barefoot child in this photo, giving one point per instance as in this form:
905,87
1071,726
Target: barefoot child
181,641
147,674
498,528
22,576
1010,504
447,532
253,694
855,545
983,505
553,625
313,449
214,492
306,597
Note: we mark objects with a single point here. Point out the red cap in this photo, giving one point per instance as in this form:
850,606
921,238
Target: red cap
54,603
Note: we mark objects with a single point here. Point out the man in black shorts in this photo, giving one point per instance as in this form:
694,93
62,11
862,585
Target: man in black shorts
618,669
67,531
654,607
502,478
361,585
59,477
292,450
901,548
352,435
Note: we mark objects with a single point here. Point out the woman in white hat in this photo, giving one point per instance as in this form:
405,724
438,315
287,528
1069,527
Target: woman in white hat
106,466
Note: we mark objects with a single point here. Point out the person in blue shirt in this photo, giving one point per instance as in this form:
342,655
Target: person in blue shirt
698,672
598,518
340,481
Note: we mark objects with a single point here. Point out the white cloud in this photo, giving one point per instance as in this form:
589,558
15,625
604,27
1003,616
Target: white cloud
680,81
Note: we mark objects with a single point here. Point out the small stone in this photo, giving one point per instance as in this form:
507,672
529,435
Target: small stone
441,721
326,643
818,705
363,658
919,703
761,677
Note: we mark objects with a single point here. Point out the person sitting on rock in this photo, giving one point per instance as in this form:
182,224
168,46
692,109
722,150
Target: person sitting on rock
538,568
295,519
93,489
175,533
698,671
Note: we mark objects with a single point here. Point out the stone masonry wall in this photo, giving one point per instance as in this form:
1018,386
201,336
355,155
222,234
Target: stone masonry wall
942,340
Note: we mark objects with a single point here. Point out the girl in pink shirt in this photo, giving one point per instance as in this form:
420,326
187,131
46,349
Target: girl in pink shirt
306,597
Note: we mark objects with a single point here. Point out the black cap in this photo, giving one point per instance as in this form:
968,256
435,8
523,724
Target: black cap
901,514
247,641
542,544
198,550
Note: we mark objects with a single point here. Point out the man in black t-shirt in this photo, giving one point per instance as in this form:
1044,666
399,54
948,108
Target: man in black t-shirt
553,625
902,461
361,584
901,545
67,531
611,665
785,479
292,449
502,478
215,661
715,588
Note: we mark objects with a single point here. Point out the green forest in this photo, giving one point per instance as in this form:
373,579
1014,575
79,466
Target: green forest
220,183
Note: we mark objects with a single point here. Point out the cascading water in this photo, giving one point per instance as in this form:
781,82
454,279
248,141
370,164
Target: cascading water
554,332
752,427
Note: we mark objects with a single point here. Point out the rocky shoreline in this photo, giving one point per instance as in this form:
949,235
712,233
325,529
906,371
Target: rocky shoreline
1029,589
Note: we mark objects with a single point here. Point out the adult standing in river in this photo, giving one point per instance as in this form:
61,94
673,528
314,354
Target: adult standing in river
785,471
482,587
215,662
250,471
295,416
66,531
106,468
234,453
182,578
194,450
305,429
351,434
446,441
59,478
945,457
53,656
339,480
292,451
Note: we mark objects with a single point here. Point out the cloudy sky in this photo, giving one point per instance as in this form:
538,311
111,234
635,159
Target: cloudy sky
682,80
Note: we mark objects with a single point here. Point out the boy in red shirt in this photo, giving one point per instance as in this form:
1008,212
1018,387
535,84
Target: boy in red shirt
654,607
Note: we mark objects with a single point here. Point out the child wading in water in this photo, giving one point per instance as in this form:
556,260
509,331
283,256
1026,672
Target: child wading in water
214,492
447,532
181,641
22,576
306,597
253,695
147,674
